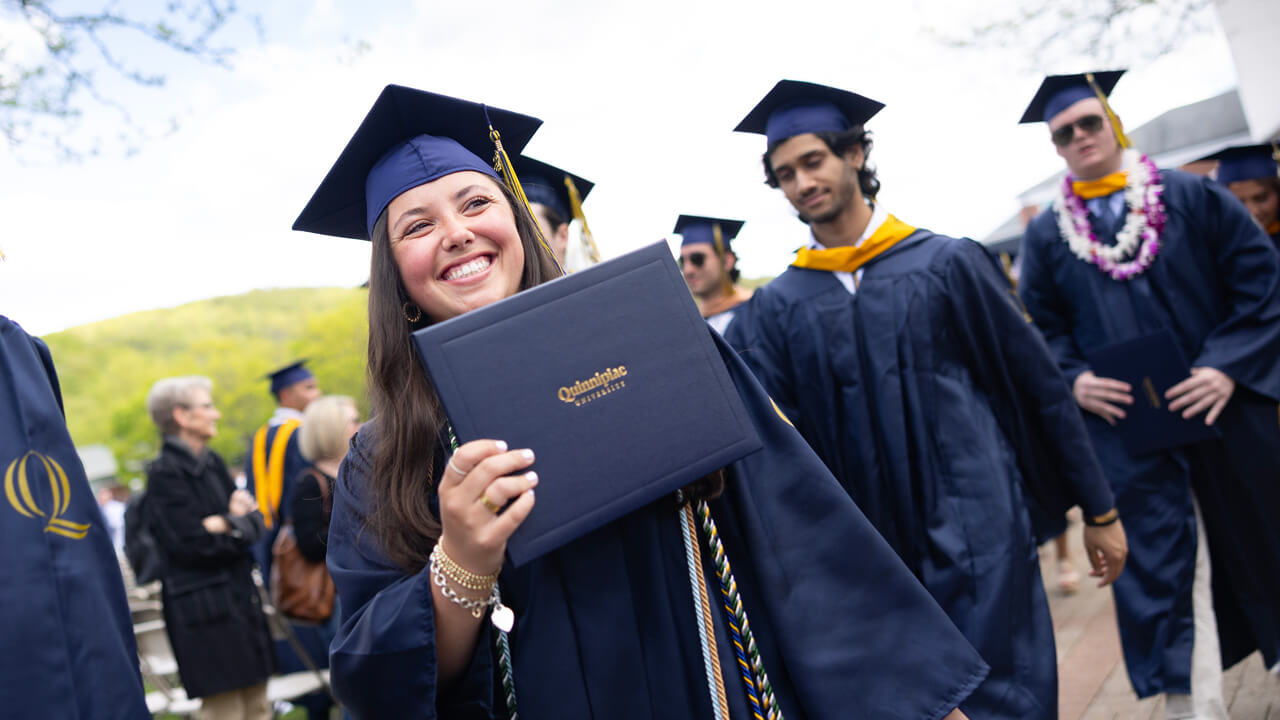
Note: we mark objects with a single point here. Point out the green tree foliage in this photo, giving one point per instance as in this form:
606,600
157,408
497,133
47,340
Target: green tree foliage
106,368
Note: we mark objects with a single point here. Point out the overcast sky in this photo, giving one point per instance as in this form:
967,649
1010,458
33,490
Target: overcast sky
640,98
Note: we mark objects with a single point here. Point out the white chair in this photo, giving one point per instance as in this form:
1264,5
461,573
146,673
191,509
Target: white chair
294,685
159,666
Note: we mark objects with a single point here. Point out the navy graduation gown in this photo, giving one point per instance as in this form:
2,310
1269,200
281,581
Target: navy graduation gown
933,401
1216,285
605,626
67,640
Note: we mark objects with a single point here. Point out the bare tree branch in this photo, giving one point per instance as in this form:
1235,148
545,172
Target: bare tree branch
43,98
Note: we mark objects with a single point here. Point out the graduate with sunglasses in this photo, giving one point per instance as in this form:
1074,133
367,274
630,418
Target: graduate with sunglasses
707,262
906,361
608,626
1127,250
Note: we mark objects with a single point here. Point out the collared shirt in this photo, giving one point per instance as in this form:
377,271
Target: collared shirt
1115,200
878,217
282,414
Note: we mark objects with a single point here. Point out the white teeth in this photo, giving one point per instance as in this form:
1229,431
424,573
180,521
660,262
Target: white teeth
468,269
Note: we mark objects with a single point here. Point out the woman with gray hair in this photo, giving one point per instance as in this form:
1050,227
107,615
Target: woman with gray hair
206,529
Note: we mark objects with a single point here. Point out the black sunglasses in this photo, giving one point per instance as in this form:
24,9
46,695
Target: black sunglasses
696,258
1090,124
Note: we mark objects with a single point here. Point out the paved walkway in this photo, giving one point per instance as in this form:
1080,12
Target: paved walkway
1092,681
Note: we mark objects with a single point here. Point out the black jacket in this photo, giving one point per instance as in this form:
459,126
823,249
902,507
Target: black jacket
211,606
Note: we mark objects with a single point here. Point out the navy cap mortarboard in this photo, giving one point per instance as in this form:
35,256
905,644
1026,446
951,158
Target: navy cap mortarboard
408,138
1246,162
793,108
697,229
1059,92
545,184
294,372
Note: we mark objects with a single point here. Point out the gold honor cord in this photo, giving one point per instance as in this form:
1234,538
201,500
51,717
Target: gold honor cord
575,203
1111,114
25,503
502,164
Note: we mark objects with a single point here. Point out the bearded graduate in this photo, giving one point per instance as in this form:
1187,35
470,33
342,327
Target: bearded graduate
1125,251
707,262
608,625
905,360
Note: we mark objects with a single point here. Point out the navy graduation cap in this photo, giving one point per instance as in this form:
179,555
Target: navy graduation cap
1246,162
1059,92
408,138
294,372
794,107
697,229
545,184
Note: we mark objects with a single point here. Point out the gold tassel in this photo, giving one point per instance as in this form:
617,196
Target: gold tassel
1111,115
718,235
502,164
575,204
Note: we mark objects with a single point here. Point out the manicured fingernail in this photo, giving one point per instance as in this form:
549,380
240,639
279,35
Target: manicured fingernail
530,491
526,454
532,477
502,446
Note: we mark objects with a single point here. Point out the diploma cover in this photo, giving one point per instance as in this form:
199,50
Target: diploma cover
609,375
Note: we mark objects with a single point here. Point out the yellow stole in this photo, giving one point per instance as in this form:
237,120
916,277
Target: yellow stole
268,477
724,303
850,258
1101,187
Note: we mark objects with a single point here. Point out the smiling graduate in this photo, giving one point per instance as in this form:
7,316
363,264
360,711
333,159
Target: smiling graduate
627,621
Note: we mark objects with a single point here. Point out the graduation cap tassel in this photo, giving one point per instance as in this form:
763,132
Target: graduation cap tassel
575,203
725,282
1111,114
502,164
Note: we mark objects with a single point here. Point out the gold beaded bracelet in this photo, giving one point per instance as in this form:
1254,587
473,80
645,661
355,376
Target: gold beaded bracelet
459,575
1105,518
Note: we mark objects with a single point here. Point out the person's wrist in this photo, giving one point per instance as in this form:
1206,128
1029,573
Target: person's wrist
1108,518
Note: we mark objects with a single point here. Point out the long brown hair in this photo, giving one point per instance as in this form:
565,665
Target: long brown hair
410,426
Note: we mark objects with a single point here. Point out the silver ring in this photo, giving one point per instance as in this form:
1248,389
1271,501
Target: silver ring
455,467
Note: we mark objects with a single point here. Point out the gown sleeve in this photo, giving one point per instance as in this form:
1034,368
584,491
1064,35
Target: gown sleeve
1246,343
1032,400
755,334
829,601
383,659
1043,300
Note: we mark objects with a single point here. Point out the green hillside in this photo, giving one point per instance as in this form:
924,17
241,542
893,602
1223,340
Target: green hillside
106,368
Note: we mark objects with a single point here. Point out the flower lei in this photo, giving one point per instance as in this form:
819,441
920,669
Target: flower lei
1143,223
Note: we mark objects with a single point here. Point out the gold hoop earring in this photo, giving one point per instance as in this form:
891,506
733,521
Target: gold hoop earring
417,312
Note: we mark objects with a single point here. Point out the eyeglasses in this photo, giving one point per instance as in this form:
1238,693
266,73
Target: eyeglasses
1090,124
695,258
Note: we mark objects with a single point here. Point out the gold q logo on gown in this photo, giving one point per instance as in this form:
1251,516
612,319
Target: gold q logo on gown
17,489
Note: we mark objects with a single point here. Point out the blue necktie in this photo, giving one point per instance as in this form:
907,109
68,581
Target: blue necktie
1106,220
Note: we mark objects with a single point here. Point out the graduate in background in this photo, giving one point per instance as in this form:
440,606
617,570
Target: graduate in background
905,360
275,463
606,626
707,262
1127,250
67,649
1252,174
274,457
555,197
